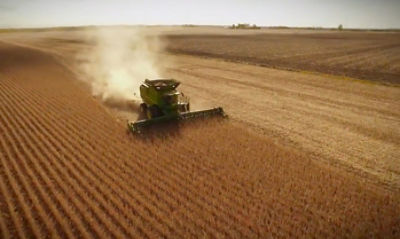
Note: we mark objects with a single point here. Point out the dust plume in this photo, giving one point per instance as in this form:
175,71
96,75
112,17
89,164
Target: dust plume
119,60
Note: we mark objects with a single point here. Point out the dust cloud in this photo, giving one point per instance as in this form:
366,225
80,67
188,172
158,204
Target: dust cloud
119,61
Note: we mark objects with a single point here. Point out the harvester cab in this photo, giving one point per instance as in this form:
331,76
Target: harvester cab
160,97
163,102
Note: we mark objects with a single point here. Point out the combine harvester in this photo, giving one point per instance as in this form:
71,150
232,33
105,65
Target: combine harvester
162,103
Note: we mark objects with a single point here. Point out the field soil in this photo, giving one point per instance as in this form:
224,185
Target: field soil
301,155
373,56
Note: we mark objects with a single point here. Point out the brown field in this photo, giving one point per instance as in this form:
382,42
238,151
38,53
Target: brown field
365,55
301,155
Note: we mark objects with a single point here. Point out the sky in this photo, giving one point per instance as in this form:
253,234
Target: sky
294,13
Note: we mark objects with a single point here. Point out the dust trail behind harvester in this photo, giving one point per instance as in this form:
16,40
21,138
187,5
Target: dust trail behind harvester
120,59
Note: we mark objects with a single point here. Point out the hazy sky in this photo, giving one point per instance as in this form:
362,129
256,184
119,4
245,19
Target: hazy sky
350,13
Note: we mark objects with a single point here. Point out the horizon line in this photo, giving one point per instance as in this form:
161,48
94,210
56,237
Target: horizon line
194,25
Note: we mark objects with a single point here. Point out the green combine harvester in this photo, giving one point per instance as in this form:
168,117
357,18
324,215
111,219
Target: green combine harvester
162,103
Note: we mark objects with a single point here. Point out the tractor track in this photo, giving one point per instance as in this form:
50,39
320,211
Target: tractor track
69,169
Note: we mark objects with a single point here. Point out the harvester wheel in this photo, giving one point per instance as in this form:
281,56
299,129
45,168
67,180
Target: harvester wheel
153,112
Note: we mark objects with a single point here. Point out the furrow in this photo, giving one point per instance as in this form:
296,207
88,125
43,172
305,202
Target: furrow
174,166
32,225
65,191
170,176
150,173
49,157
46,199
60,148
4,232
13,220
228,184
177,165
4,216
107,187
155,147
18,166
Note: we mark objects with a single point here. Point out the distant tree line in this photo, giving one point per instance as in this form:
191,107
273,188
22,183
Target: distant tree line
244,26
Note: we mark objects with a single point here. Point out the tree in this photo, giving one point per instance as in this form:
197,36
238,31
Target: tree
340,27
